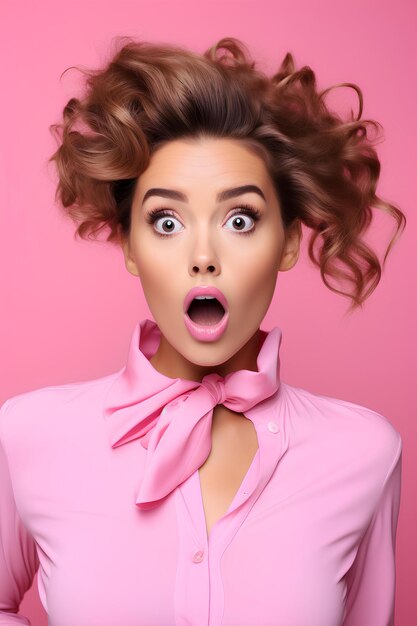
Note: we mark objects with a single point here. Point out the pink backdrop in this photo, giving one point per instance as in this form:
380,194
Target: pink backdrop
68,308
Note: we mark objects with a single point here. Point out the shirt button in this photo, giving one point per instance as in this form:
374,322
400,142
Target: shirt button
273,427
198,556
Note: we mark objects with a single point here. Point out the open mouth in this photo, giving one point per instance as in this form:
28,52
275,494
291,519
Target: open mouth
205,310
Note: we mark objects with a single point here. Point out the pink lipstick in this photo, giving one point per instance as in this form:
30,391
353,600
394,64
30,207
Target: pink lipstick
206,313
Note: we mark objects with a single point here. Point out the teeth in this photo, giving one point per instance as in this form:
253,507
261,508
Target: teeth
205,298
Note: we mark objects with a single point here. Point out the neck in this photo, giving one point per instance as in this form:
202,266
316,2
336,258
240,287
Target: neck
169,362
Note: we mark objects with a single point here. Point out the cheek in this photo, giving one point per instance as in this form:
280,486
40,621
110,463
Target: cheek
159,279
256,275
152,264
259,263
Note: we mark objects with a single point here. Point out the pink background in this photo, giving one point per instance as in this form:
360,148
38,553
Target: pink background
69,307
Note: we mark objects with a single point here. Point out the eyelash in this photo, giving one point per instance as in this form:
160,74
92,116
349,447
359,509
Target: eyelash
244,209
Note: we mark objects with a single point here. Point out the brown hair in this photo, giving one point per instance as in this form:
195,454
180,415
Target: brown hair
324,169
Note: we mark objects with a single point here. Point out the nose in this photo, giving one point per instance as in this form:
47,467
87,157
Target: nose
203,258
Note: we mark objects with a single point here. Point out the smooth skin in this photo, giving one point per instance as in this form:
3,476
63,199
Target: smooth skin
207,248
205,245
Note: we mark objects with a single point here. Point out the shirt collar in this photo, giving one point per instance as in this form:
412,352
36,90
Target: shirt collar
137,397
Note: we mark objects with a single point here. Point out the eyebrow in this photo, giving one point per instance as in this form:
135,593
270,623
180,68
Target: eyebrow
226,194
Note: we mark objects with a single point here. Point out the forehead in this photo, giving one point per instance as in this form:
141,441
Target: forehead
211,161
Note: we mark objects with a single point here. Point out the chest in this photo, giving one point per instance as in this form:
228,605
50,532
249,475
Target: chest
234,446
87,527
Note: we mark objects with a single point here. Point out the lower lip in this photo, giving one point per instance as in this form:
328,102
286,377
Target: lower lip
206,333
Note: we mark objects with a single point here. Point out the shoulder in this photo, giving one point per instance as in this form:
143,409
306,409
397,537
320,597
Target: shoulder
354,433
29,410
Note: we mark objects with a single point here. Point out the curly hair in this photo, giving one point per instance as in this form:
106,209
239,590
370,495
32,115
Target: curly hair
324,169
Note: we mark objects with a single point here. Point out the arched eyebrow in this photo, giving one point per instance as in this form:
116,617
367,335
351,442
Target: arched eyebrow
226,194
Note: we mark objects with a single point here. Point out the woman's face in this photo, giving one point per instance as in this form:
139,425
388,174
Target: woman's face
207,240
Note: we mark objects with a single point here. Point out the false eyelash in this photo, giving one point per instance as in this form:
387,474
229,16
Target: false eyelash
245,209
154,214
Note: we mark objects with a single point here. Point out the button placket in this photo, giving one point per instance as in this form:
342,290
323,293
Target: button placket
192,592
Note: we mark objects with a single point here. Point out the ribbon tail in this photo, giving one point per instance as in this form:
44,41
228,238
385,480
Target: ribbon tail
173,455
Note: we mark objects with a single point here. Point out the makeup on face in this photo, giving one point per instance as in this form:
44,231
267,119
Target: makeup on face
206,313
206,241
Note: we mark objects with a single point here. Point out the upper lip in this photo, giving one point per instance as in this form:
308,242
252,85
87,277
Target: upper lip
205,290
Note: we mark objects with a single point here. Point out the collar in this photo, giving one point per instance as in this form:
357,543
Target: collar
172,416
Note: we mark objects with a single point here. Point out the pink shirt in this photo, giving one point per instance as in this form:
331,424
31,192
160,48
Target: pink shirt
308,540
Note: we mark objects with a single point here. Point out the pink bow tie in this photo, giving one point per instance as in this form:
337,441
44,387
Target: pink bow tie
173,416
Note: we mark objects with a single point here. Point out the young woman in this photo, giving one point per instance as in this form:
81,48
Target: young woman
194,486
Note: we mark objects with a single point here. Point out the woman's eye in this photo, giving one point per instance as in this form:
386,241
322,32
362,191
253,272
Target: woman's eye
243,221
164,223
168,225
239,222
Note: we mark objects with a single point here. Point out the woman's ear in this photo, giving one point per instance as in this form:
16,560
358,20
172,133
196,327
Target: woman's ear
291,251
130,262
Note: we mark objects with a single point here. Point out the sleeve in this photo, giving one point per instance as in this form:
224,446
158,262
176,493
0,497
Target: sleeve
371,580
18,556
